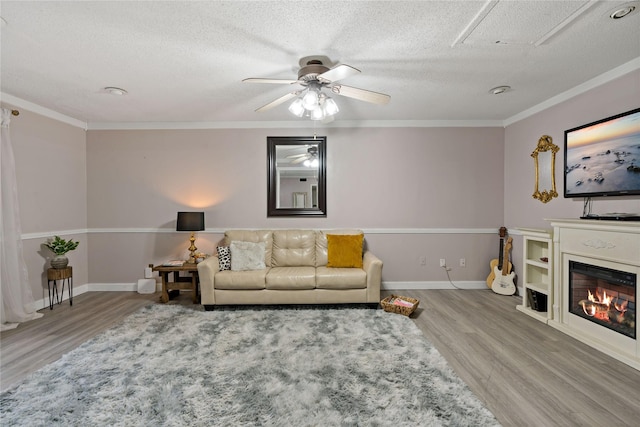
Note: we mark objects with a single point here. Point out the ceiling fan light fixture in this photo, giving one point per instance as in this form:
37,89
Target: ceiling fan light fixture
330,107
311,163
314,76
311,99
296,107
317,113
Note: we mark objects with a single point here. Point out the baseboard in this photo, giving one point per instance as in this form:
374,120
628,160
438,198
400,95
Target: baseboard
91,287
44,302
388,286
470,284
113,287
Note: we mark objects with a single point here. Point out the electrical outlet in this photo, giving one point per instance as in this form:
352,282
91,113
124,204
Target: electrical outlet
423,260
463,262
443,262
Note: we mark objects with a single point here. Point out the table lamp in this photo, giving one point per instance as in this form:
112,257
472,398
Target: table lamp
190,221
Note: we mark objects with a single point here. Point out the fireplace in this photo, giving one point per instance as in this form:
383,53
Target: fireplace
595,280
604,296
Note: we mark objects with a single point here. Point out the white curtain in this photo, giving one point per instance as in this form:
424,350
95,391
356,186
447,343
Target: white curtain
17,300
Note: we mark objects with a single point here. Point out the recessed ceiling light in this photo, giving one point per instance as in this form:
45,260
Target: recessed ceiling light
499,89
623,11
115,91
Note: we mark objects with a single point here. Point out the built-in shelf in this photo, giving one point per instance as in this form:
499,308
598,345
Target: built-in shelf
537,262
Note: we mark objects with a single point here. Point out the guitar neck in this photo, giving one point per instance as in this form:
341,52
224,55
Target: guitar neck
507,247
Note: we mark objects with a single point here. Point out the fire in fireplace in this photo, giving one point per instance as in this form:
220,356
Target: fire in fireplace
604,296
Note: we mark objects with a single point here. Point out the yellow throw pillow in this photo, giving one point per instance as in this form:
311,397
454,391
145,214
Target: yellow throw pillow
344,250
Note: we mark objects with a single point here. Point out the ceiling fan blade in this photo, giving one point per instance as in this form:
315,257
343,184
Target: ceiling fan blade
278,101
338,73
361,94
275,81
299,160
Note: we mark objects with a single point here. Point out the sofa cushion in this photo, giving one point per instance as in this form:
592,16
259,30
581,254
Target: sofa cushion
344,251
321,244
254,236
251,279
224,258
340,278
294,248
291,278
247,256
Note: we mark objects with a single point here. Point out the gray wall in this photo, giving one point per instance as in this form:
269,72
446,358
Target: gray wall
378,179
51,172
418,192
520,209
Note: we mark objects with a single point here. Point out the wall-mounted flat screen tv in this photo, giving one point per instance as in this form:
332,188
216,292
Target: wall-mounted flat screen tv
603,158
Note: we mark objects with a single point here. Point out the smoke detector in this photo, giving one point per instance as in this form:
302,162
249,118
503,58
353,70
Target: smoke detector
624,10
115,91
499,89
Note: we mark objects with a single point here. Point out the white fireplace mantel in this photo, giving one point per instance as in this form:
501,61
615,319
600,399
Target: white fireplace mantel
609,244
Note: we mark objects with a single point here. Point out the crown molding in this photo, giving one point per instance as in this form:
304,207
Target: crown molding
293,124
610,75
43,111
604,78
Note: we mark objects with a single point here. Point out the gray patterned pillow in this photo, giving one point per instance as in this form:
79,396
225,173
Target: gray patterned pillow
247,255
224,258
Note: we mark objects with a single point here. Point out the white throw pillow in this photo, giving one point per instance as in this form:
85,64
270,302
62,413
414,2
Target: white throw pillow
247,256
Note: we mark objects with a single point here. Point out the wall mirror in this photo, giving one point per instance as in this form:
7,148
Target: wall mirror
544,159
296,167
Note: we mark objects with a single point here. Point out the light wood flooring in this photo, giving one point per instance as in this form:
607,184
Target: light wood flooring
527,373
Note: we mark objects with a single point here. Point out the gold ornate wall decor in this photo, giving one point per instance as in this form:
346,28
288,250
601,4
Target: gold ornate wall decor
544,159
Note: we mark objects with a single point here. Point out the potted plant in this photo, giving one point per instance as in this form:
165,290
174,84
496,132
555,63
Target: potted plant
60,247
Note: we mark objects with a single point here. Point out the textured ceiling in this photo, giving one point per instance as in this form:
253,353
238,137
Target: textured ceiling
184,61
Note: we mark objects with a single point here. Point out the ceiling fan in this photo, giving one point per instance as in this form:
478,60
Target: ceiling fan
309,156
314,76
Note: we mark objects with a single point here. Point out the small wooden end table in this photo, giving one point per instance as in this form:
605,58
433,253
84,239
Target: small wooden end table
190,283
55,274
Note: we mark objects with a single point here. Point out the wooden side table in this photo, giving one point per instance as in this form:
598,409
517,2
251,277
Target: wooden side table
190,283
63,274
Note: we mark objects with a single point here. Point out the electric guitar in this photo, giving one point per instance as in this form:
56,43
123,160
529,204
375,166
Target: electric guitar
503,283
498,262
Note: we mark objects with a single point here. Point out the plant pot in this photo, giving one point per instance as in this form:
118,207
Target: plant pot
59,262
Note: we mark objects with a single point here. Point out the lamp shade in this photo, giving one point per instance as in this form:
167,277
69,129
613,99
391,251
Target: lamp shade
190,221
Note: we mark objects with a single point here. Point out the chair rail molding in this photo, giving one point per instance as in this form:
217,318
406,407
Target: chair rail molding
443,230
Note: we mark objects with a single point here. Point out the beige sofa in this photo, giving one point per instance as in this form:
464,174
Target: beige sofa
295,271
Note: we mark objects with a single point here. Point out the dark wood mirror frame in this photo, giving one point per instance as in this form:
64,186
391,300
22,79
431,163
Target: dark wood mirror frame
272,143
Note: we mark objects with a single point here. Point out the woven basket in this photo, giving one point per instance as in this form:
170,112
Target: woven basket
388,305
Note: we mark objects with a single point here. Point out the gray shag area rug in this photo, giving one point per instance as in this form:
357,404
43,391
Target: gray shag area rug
167,365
